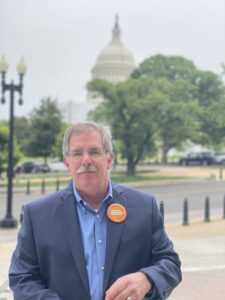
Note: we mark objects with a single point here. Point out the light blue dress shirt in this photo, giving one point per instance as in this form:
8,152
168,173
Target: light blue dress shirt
93,223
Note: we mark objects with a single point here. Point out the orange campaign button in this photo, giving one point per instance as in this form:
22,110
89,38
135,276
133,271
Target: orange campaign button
116,213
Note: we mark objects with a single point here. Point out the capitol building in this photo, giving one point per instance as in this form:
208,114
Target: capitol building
113,64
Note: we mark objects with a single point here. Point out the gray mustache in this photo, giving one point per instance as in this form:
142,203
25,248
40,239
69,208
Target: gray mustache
87,169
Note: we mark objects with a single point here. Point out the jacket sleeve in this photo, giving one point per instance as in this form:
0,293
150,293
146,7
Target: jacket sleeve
25,278
165,266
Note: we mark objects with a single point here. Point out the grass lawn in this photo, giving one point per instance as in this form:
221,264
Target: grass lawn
62,179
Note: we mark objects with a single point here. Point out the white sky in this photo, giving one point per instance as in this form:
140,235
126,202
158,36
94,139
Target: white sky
60,39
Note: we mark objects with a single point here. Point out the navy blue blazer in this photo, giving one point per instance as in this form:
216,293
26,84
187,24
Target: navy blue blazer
48,262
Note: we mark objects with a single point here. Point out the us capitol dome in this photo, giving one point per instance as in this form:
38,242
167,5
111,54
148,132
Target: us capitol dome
114,63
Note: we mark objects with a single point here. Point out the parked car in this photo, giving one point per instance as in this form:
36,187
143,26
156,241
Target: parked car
198,158
57,166
32,167
219,158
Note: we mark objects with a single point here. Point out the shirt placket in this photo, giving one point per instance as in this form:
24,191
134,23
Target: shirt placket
100,244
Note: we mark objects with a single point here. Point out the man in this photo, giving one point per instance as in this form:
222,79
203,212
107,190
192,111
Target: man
95,239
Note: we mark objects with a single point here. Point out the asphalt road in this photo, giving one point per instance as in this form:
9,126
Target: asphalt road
172,194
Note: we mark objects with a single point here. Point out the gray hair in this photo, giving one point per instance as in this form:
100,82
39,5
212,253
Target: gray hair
77,128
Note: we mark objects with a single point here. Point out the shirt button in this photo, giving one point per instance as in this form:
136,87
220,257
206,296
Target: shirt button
98,216
99,241
102,268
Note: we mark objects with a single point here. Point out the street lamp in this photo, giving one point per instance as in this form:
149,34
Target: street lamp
9,221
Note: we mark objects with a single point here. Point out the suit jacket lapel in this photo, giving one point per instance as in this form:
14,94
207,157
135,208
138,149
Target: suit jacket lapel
71,227
114,231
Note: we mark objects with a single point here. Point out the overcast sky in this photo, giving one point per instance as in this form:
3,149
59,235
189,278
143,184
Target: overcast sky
60,39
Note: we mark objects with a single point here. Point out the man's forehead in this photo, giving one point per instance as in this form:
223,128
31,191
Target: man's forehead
91,137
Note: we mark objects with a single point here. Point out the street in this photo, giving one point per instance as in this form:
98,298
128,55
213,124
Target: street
172,194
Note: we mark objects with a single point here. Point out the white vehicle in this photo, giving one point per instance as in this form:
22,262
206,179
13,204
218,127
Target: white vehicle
219,158
57,166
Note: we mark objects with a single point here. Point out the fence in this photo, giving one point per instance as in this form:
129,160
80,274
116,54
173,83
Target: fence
39,186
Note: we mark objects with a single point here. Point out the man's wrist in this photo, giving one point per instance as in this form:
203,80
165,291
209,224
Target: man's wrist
151,283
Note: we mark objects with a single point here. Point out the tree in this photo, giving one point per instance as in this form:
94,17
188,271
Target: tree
131,108
167,98
180,110
171,67
178,117
4,149
46,122
57,148
210,88
193,92
22,132
211,95
177,124
214,124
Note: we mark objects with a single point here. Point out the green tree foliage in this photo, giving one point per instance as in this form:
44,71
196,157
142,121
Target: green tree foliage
177,124
179,112
4,146
194,93
171,67
57,148
210,88
22,132
214,124
131,108
46,122
211,95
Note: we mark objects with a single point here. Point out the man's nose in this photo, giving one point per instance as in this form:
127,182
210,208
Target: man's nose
86,159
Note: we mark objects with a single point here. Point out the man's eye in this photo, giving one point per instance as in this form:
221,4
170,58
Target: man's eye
95,152
76,153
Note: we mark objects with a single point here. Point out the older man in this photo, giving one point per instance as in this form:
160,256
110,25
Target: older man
95,239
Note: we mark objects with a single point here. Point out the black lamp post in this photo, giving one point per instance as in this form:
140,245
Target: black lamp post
9,221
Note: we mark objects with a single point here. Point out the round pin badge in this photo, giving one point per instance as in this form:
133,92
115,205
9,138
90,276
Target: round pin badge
116,212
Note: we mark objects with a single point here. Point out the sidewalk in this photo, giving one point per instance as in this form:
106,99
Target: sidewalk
201,247
7,245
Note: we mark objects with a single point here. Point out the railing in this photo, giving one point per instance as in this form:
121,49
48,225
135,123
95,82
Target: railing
41,185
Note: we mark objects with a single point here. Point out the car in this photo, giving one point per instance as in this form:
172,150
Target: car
219,158
32,167
57,166
198,158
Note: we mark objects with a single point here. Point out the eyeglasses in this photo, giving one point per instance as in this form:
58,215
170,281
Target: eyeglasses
78,153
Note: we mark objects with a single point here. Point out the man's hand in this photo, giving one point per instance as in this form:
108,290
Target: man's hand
133,286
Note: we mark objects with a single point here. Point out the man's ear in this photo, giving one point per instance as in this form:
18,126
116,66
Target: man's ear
110,160
66,162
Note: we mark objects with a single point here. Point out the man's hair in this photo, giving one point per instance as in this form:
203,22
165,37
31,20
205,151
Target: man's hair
78,128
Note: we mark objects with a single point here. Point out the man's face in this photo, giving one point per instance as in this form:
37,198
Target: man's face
89,164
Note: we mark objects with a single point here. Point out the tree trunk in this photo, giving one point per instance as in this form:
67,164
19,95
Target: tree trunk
164,155
131,168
